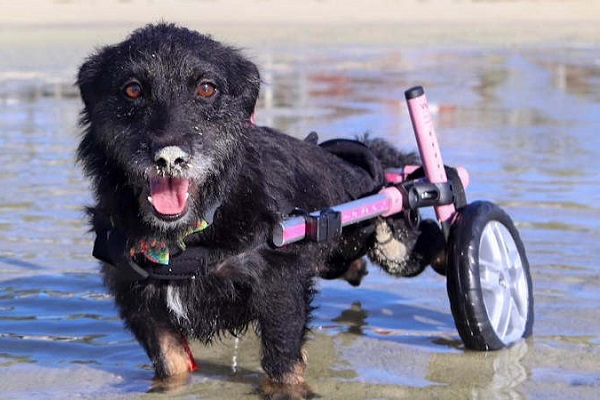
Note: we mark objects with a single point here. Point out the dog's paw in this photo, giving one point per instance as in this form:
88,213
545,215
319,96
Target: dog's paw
403,252
356,272
280,391
393,248
170,384
390,249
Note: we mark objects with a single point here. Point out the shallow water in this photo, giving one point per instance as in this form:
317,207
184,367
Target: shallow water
523,120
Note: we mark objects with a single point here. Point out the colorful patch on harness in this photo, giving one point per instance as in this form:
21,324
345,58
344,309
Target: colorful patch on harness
157,251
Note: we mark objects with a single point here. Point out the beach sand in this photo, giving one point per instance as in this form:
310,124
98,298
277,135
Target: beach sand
503,22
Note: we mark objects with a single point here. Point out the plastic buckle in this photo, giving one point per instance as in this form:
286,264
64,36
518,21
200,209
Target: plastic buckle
324,225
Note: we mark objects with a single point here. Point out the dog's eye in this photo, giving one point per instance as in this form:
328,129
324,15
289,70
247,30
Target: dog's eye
206,90
133,90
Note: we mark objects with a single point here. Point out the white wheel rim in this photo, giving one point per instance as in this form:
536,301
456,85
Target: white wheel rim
503,282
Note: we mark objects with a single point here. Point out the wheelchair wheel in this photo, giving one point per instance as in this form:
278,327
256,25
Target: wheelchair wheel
488,279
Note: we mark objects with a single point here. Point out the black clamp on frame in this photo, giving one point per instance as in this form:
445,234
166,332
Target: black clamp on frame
420,193
323,225
425,194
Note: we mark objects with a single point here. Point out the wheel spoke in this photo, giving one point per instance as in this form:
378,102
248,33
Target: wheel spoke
520,303
489,275
490,266
504,321
503,245
518,319
493,307
517,282
488,248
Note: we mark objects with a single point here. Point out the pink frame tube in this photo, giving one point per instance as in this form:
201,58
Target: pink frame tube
427,142
387,202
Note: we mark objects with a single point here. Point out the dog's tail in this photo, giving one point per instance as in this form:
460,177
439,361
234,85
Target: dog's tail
388,155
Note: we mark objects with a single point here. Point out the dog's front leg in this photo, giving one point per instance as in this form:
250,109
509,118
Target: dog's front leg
282,322
165,347
171,358
164,343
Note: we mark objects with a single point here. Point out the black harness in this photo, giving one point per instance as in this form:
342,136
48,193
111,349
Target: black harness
112,247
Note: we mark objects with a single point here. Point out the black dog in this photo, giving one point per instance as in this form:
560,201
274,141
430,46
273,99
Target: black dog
182,177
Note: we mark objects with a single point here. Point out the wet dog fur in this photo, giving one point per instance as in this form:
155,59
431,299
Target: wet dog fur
167,112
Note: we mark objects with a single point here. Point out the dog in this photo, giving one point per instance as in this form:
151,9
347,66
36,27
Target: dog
188,191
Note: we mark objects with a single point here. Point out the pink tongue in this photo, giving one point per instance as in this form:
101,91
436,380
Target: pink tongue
169,195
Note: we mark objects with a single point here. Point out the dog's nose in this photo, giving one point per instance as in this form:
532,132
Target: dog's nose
171,157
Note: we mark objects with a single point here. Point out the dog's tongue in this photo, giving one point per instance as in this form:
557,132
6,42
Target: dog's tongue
169,195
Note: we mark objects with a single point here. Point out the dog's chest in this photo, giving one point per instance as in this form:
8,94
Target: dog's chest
175,304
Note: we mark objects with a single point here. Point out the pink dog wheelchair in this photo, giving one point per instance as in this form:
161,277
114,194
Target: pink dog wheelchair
488,279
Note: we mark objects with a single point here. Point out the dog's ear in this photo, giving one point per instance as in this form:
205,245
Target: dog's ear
246,79
88,78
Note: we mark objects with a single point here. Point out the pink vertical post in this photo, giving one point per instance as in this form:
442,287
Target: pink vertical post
429,149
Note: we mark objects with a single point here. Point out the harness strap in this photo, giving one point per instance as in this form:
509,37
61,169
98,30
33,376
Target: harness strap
111,247
358,154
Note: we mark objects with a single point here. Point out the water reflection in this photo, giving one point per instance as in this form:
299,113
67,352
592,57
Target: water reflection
354,318
493,375
425,372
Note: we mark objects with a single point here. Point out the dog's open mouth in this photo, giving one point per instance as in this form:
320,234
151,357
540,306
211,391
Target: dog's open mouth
169,196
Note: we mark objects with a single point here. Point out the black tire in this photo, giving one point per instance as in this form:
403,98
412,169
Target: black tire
489,288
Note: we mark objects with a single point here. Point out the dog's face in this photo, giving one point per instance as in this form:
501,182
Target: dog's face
163,114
